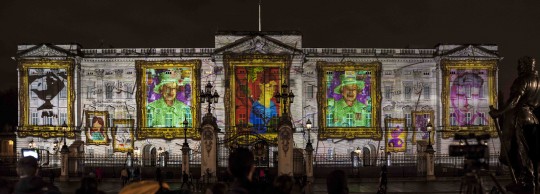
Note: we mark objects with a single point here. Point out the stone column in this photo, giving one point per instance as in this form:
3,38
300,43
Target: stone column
64,171
285,147
309,168
209,140
185,157
430,163
421,157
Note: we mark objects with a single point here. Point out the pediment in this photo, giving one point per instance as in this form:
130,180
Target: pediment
470,51
45,50
258,44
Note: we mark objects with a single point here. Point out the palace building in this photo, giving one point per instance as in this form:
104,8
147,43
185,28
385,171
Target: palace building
148,101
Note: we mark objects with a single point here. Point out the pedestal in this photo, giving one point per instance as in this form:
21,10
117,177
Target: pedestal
185,158
430,166
208,150
64,170
285,148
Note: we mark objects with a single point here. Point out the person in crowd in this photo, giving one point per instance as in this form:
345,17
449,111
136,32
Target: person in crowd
158,174
283,184
124,175
29,182
52,175
336,183
89,185
242,167
5,187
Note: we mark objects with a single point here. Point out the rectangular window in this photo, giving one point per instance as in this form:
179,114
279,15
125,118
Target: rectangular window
388,92
349,119
91,152
90,89
168,119
408,119
388,115
35,119
150,117
309,91
482,92
63,92
62,118
188,116
453,119
468,118
129,91
368,119
407,89
480,118
109,91
427,92
330,120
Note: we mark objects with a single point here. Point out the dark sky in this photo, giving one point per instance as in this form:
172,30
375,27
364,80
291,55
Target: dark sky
512,24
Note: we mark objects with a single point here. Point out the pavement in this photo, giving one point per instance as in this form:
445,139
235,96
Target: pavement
356,185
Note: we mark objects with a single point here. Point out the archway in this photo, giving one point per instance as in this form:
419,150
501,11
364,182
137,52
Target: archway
148,159
366,156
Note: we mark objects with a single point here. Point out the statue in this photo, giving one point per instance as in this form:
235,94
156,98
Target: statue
521,130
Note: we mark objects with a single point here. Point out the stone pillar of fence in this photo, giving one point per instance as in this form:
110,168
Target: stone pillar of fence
421,158
309,168
209,138
64,175
430,164
285,147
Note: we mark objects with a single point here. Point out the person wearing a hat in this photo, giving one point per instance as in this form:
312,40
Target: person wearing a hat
167,111
347,112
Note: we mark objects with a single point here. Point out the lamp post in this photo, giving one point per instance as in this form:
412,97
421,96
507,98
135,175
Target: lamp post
309,159
206,95
308,126
284,96
185,149
430,165
31,144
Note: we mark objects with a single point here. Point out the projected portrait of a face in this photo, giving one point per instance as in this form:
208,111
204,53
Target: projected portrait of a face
466,94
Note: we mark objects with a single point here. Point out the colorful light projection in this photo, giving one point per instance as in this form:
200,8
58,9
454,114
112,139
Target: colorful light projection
97,127
46,98
257,107
468,91
254,80
123,140
420,119
167,91
396,135
350,100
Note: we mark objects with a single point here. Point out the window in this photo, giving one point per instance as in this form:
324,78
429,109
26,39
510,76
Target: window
150,118
62,118
129,91
168,120
330,120
368,119
427,92
33,94
408,119
407,89
47,120
349,120
63,92
482,91
387,115
468,118
453,119
388,92
188,116
91,152
480,118
90,89
387,72
35,119
109,91
309,91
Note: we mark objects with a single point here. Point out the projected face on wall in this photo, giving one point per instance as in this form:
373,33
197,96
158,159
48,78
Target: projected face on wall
255,88
468,97
396,135
348,99
168,97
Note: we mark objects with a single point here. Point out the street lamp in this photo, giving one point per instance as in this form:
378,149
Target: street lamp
65,148
429,147
185,131
207,96
308,126
284,96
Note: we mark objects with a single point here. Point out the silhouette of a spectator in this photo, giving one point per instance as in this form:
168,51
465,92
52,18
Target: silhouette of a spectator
336,183
88,185
29,182
241,166
283,184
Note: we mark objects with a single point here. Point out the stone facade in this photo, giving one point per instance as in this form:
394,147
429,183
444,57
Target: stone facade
106,80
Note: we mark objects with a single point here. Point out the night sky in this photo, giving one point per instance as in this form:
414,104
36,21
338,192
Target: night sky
511,24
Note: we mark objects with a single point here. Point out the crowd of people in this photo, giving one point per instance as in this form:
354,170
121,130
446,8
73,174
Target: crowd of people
247,180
